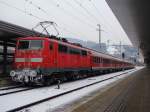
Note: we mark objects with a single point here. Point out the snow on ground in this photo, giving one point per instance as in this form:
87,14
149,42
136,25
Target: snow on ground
12,101
61,101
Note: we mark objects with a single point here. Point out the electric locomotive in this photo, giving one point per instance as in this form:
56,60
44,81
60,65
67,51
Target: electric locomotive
41,60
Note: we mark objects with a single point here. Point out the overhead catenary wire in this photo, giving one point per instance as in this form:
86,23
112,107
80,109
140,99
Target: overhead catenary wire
44,11
58,6
88,12
72,15
68,31
62,9
79,12
91,15
30,14
20,10
113,33
69,4
39,8
101,15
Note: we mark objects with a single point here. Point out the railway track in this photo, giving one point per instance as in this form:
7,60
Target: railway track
14,90
10,87
64,93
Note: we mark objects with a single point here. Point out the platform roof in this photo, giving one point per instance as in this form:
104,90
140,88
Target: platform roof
134,17
9,32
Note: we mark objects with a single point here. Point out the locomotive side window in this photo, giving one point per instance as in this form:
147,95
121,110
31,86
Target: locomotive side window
74,51
84,53
51,46
62,48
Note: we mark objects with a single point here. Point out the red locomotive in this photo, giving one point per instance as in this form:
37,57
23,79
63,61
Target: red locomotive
43,60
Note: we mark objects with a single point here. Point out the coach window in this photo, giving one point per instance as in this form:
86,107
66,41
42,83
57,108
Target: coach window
107,61
101,60
62,48
104,61
94,59
98,59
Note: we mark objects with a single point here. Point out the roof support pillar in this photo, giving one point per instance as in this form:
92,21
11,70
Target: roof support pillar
5,58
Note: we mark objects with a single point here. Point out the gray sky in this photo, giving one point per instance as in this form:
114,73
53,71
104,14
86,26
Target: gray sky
75,18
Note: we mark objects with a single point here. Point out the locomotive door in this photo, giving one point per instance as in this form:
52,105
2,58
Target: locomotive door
53,56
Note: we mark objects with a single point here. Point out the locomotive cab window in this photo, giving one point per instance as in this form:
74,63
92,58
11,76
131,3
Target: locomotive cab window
35,44
30,44
23,45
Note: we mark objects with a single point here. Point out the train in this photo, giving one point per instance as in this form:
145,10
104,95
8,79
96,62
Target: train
44,60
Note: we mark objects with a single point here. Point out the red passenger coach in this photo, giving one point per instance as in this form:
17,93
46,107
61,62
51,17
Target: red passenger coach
44,60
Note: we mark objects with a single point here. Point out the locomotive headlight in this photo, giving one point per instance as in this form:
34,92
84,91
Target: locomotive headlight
33,73
12,73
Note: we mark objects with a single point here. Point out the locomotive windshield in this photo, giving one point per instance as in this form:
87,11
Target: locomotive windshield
30,44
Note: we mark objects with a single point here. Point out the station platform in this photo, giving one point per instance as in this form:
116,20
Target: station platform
131,94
